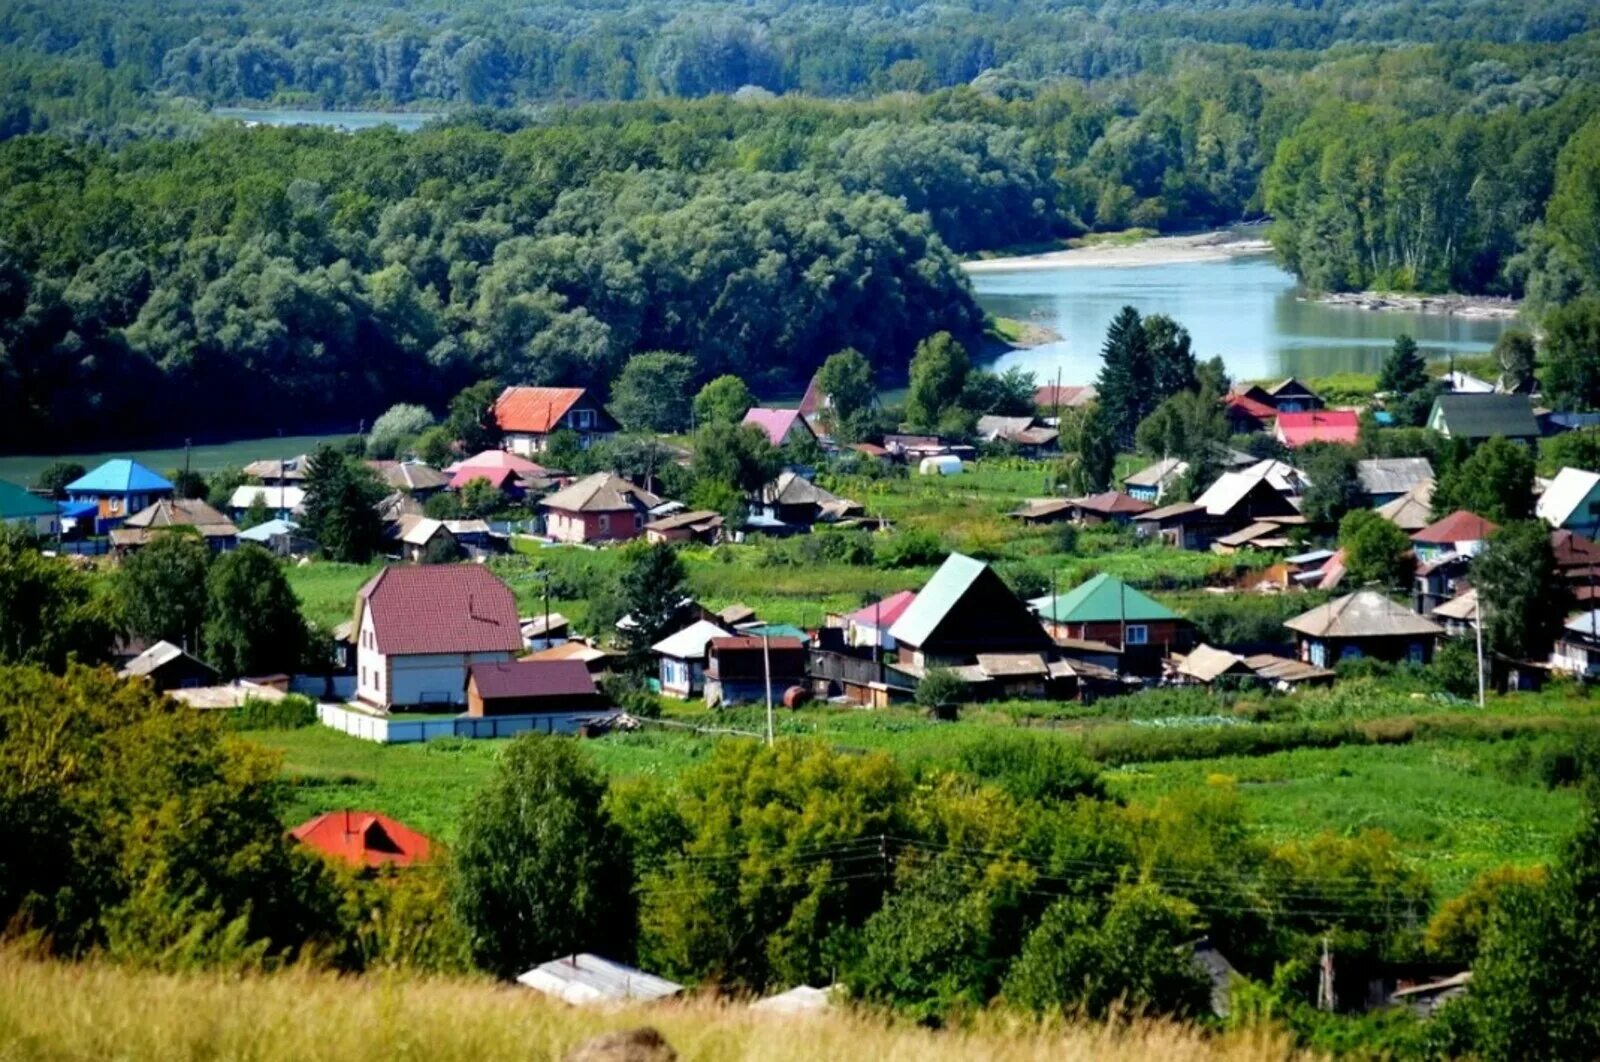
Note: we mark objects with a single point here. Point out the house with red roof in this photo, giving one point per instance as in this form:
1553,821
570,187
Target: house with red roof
781,425
1299,429
1461,532
363,839
1247,413
528,416
869,625
420,629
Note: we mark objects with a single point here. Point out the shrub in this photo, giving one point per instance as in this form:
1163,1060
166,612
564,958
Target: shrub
914,548
1032,767
258,713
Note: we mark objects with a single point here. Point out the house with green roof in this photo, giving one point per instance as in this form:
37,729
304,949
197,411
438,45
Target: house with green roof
963,612
18,508
1478,418
1105,609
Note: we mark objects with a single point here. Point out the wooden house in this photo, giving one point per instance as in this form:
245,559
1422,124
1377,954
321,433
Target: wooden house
167,667
1478,418
1105,609
117,489
963,610
1292,396
745,668
681,658
603,507
1363,624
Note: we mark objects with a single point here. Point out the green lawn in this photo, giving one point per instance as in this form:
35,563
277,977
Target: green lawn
1457,808
203,459
327,591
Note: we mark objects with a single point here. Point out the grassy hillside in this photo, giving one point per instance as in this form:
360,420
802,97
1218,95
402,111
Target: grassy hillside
58,1011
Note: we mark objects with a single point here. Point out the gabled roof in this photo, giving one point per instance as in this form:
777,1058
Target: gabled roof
440,608
1459,526
1103,599
886,612
1232,488
1573,550
812,401
1066,396
285,468
1484,416
777,423
603,492
498,478
1291,386
1584,623
1319,425
1243,403
363,838
1413,510
581,651
991,426
268,531
119,476
183,512
500,459
1393,475
936,598
532,678
1568,497
791,488
695,519
534,410
1463,606
691,642
1206,663
157,657
1363,614
1463,383
1111,503
410,475
1158,474
419,530
17,504
967,608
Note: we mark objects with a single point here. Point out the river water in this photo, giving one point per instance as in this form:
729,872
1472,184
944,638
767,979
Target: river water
345,121
1246,309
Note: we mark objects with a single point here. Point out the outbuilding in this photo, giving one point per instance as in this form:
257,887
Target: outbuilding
547,688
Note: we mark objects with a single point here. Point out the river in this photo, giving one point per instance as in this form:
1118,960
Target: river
345,121
1245,308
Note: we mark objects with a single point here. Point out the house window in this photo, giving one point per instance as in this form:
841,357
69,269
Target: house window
1414,652
363,676
1350,652
585,417
1138,634
1319,654
638,521
605,524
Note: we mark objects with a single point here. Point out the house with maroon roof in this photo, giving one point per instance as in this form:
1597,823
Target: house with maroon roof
528,416
561,693
1299,429
781,425
1461,532
1248,413
420,629
363,839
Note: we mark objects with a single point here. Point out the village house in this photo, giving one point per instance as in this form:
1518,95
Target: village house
561,694
1105,609
1295,430
423,538
282,501
1152,482
795,502
814,403
1459,615
363,839
167,667
692,525
1460,533
1387,479
1479,418
1439,580
277,471
183,514
965,609
1292,396
681,666
782,426
281,538
744,668
528,416
1572,502
488,464
1578,564
1052,398
419,629
116,490
507,481
1363,624
412,477
1249,411
1107,507
1413,510
603,507
1260,494
868,627
1027,435
19,508
1577,647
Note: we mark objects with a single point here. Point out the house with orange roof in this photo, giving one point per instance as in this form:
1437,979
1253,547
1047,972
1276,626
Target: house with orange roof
528,416
363,839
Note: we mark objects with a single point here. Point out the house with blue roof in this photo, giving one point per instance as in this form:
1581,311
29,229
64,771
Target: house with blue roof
118,489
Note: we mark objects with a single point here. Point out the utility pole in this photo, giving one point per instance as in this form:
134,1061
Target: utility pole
1325,996
544,577
766,667
1477,623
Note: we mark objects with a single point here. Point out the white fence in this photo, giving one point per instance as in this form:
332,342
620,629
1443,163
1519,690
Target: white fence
398,730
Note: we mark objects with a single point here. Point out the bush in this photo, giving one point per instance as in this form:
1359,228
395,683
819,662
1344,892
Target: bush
940,688
914,548
1032,767
257,713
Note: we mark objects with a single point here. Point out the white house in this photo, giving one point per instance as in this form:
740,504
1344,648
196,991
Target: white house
683,658
1572,502
419,629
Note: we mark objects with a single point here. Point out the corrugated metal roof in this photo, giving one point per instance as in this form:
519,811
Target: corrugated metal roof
442,608
1012,665
1393,475
600,493
1571,492
585,978
1363,614
535,410
1207,663
934,601
777,423
1103,599
118,476
1459,526
17,504
1484,416
690,642
533,678
1158,474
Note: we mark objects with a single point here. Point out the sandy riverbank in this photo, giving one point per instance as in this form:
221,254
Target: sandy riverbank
1158,250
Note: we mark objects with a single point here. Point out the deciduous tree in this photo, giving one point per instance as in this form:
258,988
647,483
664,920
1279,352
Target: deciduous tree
162,589
253,623
1524,600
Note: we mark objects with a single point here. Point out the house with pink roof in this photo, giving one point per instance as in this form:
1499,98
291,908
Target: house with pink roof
869,625
781,425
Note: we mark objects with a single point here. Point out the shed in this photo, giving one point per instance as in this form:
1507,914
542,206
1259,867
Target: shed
169,668
527,687
585,979
942,465
1206,664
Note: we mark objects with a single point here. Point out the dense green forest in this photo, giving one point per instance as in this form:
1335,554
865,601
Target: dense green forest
162,272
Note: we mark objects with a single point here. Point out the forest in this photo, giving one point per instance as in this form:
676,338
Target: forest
163,273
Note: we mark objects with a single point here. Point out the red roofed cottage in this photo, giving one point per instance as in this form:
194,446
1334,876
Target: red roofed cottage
419,630
781,425
363,839
1318,425
528,416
